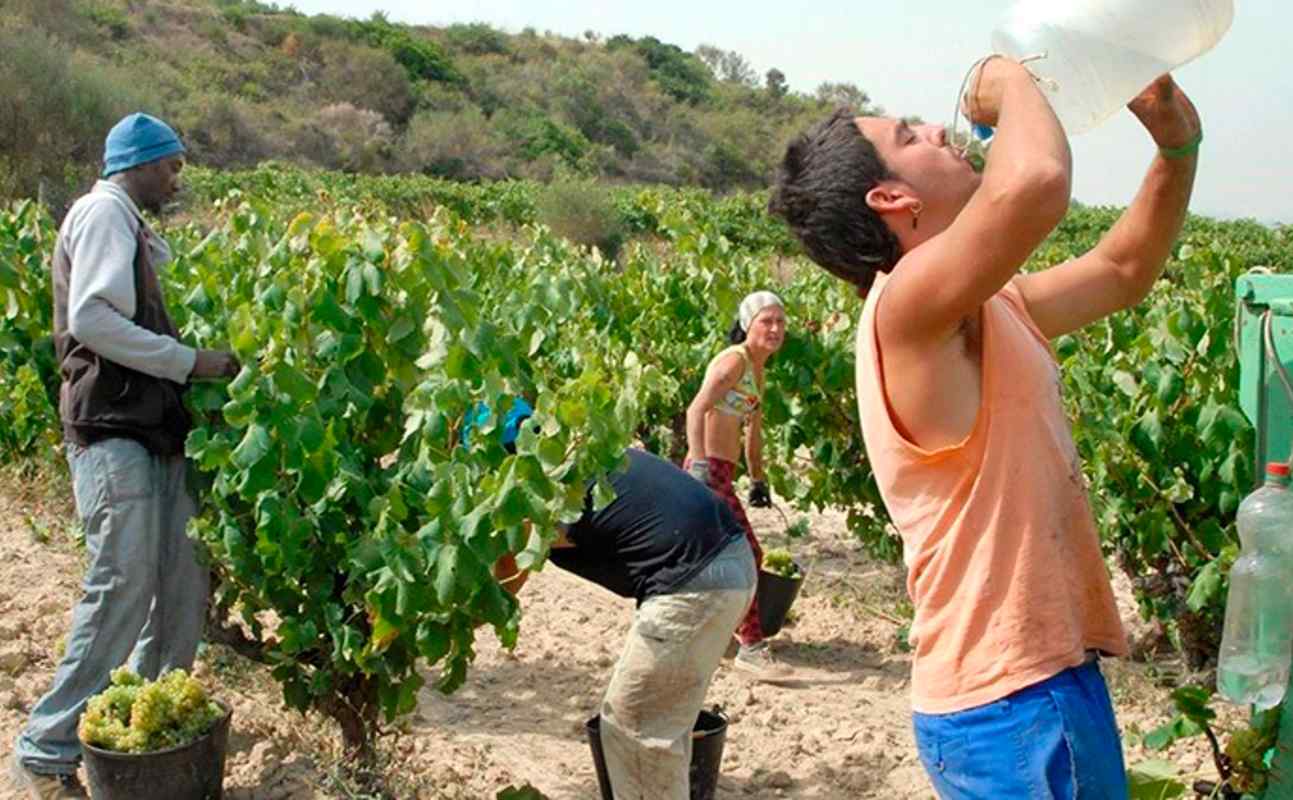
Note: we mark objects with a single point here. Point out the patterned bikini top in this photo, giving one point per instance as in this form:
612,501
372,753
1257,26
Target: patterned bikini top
743,399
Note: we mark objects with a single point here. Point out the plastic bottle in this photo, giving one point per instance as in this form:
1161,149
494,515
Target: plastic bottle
1257,643
1099,54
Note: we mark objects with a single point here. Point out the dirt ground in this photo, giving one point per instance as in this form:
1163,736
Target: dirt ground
845,733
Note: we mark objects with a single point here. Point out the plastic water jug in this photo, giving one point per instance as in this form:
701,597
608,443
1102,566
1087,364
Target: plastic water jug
1257,642
1099,54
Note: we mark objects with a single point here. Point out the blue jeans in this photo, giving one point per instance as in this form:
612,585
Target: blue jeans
1054,740
145,593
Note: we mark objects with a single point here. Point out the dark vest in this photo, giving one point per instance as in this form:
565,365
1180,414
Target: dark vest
100,399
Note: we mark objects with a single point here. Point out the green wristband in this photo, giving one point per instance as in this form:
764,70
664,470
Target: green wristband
1184,151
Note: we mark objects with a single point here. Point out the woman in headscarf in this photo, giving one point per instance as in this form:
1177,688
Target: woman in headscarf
728,405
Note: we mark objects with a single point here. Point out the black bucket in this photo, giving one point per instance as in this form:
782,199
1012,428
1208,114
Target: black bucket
776,594
707,740
194,771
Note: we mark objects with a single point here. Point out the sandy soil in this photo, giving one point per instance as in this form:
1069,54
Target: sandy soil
845,733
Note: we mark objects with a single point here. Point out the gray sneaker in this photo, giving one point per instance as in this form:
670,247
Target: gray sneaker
756,661
36,786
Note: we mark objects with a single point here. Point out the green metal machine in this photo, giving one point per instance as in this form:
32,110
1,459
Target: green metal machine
1264,340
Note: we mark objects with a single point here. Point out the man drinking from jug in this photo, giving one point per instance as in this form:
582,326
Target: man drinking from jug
959,400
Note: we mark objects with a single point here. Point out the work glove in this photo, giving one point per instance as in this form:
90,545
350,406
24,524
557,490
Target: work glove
698,468
760,497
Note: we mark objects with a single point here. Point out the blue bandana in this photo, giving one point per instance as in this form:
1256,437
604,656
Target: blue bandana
138,139
518,413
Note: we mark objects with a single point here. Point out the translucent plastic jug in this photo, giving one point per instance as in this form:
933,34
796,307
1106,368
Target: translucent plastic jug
1101,53
1257,643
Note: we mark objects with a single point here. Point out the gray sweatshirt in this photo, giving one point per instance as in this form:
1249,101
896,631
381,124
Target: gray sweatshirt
99,237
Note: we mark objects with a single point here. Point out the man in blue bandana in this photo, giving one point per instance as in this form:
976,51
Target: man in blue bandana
124,372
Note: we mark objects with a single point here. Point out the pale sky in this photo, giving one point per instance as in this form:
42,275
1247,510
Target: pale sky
910,57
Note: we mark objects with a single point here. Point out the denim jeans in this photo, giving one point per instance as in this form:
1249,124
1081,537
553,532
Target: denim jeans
144,594
1054,740
659,684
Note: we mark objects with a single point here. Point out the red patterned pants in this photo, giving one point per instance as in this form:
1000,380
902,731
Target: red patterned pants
721,475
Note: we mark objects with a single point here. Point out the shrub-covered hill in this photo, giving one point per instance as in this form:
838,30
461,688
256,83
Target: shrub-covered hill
246,81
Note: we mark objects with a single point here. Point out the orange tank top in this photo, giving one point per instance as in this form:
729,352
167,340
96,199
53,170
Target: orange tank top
1004,566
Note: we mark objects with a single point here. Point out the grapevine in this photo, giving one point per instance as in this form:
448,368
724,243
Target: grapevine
351,533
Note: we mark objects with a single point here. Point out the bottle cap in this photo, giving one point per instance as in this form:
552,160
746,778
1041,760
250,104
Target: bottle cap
1277,469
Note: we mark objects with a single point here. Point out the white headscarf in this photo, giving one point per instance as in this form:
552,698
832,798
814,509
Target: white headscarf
753,304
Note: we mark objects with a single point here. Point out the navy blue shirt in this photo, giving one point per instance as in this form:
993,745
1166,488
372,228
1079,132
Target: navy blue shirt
663,527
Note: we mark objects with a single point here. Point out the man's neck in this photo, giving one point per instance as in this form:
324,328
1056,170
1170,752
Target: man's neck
126,185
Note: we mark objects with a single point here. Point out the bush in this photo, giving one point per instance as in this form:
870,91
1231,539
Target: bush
236,16
582,211
421,58
110,18
363,77
741,149
533,135
223,131
442,97
680,74
459,145
211,29
60,18
327,26
55,111
579,94
658,162
342,136
477,38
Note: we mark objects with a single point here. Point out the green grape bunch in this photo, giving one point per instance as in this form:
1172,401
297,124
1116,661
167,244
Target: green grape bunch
780,562
137,716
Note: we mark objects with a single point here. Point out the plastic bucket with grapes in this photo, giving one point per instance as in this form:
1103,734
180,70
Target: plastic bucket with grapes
779,582
194,771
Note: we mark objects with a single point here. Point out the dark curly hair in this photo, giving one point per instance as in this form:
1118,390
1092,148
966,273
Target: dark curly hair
736,334
821,191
